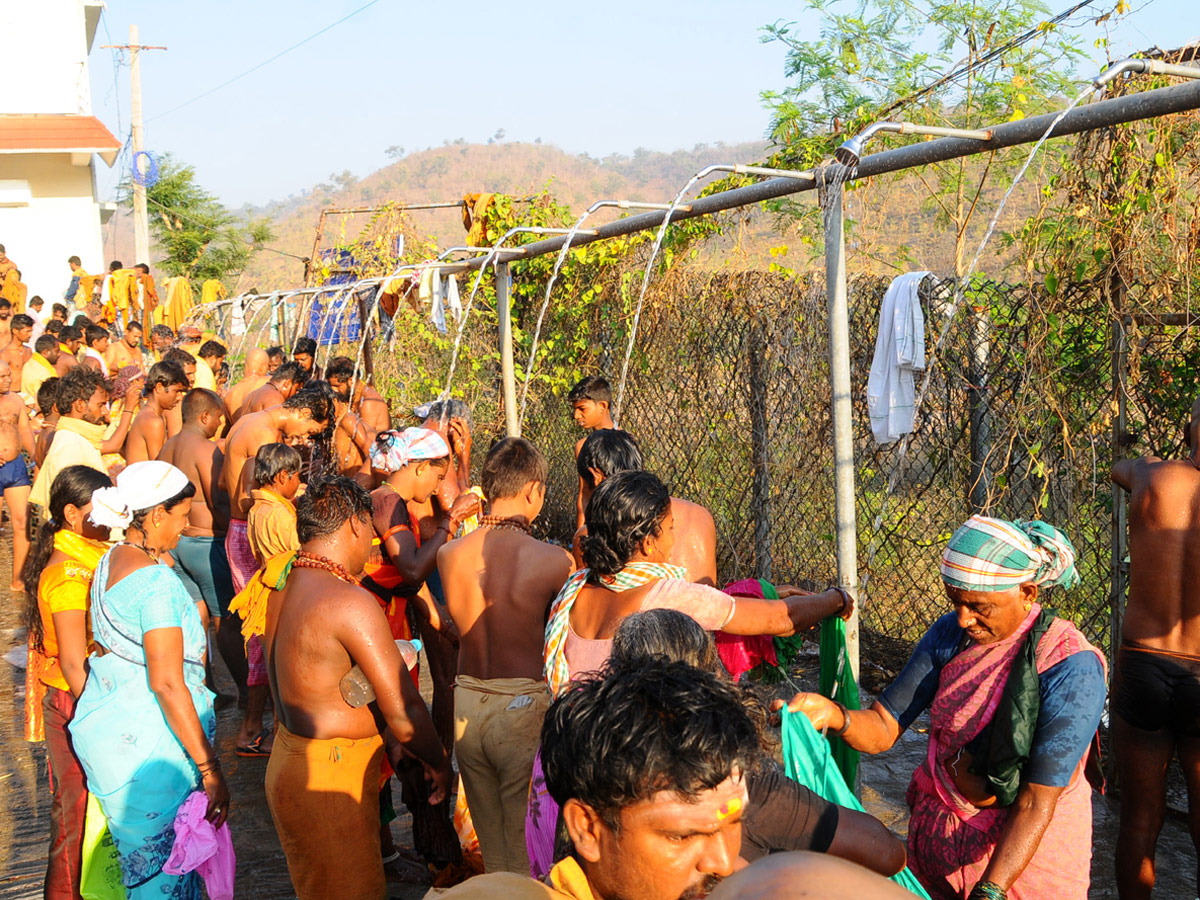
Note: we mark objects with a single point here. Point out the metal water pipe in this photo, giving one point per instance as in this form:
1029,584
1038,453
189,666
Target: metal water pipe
852,150
1143,67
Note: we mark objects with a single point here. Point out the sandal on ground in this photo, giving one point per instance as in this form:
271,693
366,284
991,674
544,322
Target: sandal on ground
254,748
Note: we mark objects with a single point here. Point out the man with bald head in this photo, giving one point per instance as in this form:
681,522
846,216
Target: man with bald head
1155,701
254,377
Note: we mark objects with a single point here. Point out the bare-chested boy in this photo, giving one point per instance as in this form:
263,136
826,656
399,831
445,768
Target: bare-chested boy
15,352
591,401
15,436
1156,689
322,782
499,584
282,384
165,386
48,413
255,376
200,560
127,351
609,451
97,341
70,339
187,362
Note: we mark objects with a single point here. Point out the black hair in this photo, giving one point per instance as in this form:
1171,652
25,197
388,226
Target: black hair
134,325
166,373
70,333
636,730
81,321
317,398
594,388
5,303
35,299
20,320
305,345
275,353
94,333
445,410
139,515
57,306
197,401
327,504
115,264
163,331
179,356
78,384
341,368
54,327
512,463
72,486
608,451
46,395
210,349
626,509
145,266
74,259
289,371
271,460
45,342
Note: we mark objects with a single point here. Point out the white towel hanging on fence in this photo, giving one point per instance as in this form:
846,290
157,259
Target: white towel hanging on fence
437,310
451,295
899,352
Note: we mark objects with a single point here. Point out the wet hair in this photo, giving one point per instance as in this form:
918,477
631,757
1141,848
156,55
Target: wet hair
45,342
166,373
275,353
135,325
272,460
46,396
73,486
608,451
594,388
289,371
54,327
197,401
70,333
340,367
139,515
73,260
666,634
94,333
512,463
20,320
317,398
327,504
78,384
452,408
633,731
179,356
626,509
305,345
211,349
162,331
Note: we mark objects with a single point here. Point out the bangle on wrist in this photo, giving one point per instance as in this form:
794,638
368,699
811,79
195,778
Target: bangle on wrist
841,732
847,602
987,890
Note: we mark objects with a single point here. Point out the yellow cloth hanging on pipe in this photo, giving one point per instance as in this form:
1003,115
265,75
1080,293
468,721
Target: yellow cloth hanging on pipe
179,302
474,208
212,291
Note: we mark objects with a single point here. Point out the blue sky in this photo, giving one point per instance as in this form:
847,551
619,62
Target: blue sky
589,77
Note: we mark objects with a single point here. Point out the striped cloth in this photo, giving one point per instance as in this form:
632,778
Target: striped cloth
987,554
393,450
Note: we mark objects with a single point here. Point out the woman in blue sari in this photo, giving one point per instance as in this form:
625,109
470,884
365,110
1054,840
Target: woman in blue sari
144,725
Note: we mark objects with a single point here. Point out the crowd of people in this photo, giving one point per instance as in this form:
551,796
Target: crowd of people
291,526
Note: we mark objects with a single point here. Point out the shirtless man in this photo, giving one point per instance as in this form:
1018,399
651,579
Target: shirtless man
187,362
127,351
366,402
165,385
200,560
162,339
590,401
283,384
1155,701
275,358
499,584
94,355
15,352
70,339
255,377
609,451
15,436
319,625
305,353
46,395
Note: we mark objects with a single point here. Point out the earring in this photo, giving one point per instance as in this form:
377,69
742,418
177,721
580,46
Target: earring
1028,607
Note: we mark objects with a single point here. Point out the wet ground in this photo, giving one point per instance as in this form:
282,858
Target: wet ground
262,873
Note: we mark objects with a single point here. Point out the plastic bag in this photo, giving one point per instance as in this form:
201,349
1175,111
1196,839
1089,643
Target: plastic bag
807,759
100,878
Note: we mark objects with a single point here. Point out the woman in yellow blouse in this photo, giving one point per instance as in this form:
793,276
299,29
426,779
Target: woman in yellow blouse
60,564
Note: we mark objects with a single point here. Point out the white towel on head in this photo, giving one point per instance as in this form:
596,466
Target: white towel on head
899,352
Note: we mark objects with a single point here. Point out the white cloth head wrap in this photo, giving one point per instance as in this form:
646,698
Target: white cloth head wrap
143,485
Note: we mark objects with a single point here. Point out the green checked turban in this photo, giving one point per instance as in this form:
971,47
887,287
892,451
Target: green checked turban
994,555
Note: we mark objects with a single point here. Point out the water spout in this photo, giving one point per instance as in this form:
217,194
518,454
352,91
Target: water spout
852,150
1146,67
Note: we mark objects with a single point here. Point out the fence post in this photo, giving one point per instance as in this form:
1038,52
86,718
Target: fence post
512,422
760,489
1119,509
979,337
843,433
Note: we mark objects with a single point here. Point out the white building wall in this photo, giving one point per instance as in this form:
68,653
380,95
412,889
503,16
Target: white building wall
62,219
43,66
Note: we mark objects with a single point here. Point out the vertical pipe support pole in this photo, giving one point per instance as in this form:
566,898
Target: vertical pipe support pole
1117,567
843,434
980,489
508,378
760,488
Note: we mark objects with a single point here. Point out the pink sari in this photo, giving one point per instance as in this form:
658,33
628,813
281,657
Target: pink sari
950,842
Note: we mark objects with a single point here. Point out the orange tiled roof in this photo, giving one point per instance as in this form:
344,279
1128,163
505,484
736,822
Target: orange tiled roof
55,133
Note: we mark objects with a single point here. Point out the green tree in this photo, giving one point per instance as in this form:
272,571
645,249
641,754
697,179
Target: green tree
874,59
196,235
